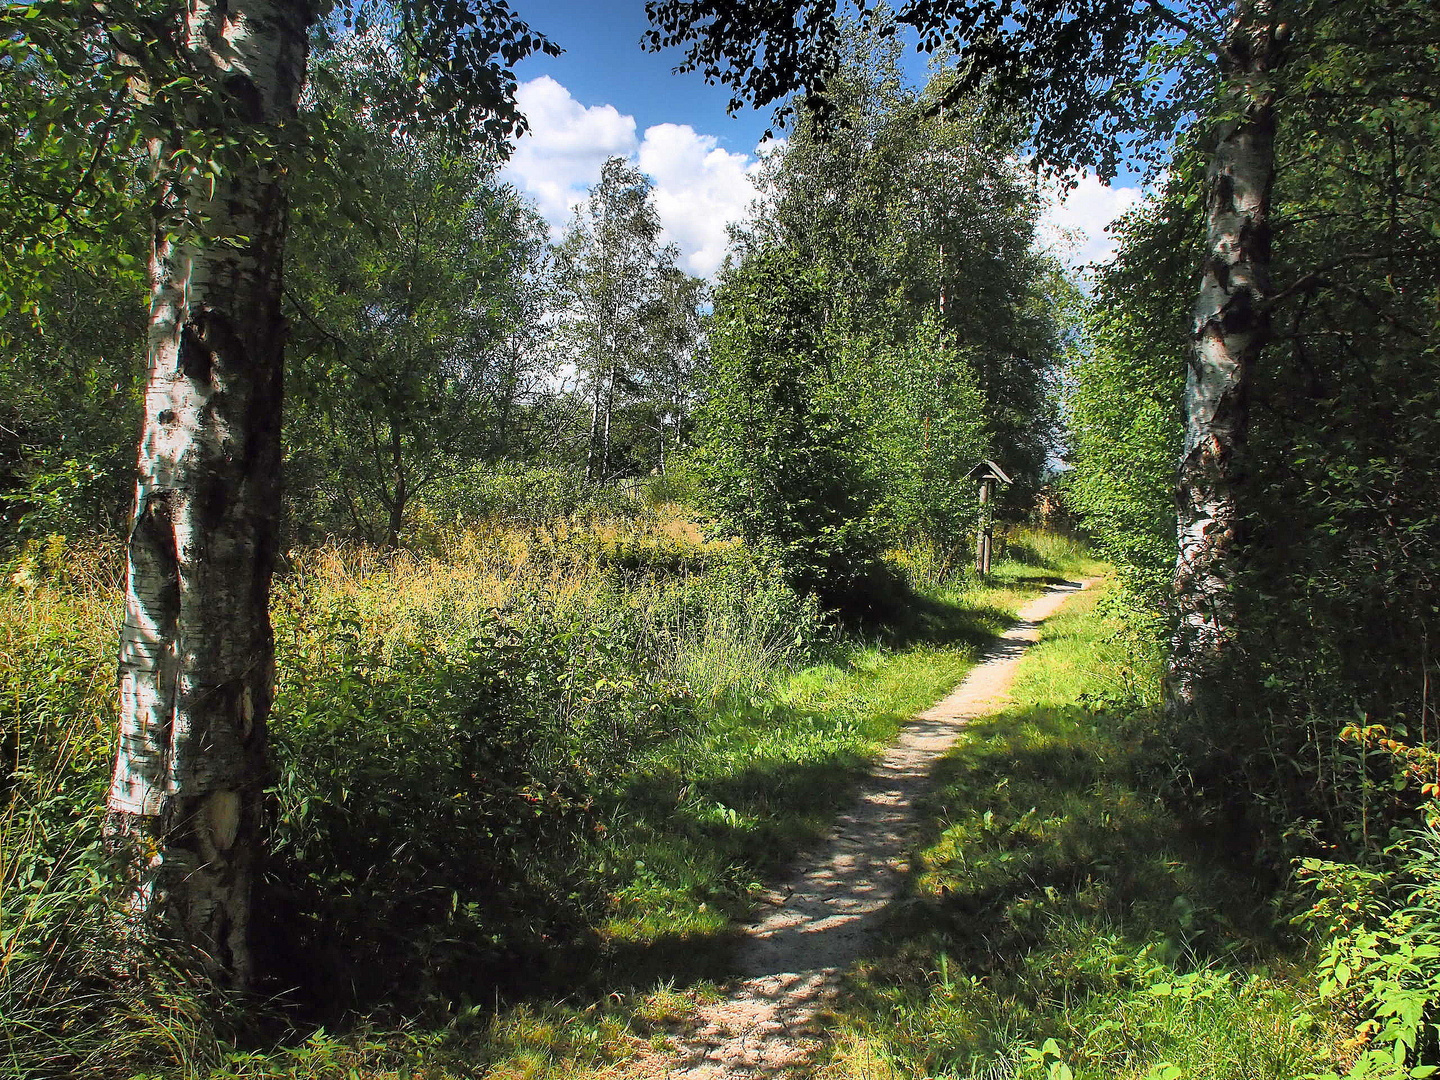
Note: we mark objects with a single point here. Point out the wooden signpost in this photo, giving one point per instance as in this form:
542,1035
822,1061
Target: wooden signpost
988,474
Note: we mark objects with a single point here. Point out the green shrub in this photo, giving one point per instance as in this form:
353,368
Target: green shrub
784,458
433,797
678,484
1380,960
537,496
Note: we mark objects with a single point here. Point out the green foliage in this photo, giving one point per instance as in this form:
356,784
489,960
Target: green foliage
66,1014
926,425
1337,595
1091,84
678,485
784,455
534,496
71,142
884,324
431,798
1123,393
629,322
952,320
408,303
105,108
445,775
1344,536
556,760
1381,959
86,92
1329,748
70,400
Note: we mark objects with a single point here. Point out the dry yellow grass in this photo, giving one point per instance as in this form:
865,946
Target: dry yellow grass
489,566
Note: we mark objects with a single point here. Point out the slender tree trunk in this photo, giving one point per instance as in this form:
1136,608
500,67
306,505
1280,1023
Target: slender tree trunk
593,450
609,409
402,490
1231,329
196,651
507,401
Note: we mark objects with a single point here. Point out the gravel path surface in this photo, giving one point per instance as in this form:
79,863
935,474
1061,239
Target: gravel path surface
820,920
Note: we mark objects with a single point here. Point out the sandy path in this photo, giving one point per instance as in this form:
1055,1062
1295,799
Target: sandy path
820,920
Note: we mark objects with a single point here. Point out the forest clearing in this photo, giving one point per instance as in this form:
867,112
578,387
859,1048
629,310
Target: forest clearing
701,540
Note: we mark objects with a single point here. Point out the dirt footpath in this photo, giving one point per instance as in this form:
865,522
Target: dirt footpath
819,921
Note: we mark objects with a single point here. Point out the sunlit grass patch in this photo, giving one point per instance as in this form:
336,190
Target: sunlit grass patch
1047,550
764,774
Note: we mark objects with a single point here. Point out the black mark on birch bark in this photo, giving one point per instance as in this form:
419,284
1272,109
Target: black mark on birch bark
246,97
196,359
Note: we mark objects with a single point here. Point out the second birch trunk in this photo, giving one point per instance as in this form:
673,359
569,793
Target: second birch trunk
197,653
1231,327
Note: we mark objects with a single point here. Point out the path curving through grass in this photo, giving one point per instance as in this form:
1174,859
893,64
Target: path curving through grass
821,918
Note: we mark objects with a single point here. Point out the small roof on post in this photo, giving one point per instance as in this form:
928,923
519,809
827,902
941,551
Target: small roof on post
988,470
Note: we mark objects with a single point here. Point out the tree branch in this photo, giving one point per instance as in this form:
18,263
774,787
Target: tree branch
1189,29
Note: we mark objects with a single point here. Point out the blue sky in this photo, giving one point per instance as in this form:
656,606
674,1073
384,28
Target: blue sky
606,96
604,64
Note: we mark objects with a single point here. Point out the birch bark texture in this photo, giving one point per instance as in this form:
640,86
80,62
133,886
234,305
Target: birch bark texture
1231,328
196,649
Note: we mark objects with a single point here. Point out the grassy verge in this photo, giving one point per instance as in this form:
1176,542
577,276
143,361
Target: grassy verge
548,767
1064,920
765,771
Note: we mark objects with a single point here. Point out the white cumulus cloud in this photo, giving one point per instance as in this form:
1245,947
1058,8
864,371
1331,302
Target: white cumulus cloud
1074,226
567,143
699,188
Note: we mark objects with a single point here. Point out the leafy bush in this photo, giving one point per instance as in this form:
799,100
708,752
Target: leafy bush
432,797
784,458
679,483
535,496
1380,963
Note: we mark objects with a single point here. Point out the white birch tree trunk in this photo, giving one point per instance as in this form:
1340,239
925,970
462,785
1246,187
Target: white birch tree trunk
1231,328
196,651
592,451
609,411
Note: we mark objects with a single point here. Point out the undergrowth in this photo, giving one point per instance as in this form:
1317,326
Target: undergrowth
541,764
